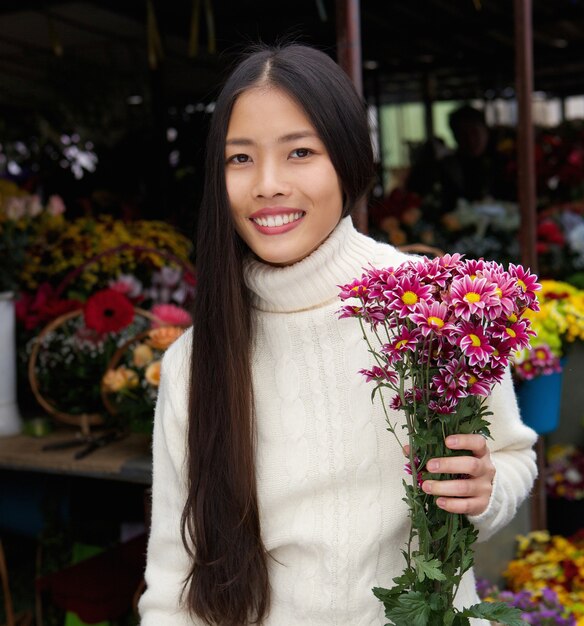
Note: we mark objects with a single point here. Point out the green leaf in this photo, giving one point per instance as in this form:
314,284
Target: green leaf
428,569
411,609
494,611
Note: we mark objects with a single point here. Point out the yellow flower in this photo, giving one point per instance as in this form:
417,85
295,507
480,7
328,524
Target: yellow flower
142,355
152,373
120,378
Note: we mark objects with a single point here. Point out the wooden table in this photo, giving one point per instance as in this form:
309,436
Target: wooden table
127,460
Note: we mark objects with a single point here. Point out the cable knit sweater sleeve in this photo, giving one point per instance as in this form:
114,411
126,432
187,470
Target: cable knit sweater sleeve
167,563
512,453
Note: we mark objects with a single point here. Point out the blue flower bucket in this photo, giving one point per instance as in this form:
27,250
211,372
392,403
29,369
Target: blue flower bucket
539,402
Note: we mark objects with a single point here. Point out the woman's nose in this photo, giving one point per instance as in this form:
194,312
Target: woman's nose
270,181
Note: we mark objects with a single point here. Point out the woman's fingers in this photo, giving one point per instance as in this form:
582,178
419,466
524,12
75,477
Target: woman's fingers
469,493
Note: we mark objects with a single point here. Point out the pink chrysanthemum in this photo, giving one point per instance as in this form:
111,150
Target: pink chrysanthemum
515,334
380,280
396,403
501,350
356,289
479,383
432,318
408,470
474,344
450,261
406,294
405,341
528,284
525,370
505,292
450,383
472,268
431,272
442,406
350,311
542,355
472,297
380,374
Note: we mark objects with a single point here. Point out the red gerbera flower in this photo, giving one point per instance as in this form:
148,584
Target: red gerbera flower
108,311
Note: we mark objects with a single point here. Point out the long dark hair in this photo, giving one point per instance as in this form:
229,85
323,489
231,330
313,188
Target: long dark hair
228,582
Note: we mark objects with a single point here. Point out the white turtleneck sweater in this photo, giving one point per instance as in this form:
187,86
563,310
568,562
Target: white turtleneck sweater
329,475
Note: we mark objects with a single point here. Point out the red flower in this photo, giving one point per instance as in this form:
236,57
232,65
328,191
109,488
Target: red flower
108,311
41,307
550,231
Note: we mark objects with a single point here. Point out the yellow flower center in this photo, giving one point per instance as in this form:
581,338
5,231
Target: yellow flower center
512,318
409,297
472,380
499,292
472,296
522,285
540,354
401,343
475,340
511,332
435,321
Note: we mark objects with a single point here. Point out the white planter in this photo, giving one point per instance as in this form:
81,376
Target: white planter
10,420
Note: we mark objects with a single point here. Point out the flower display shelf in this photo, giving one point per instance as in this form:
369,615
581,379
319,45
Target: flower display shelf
84,419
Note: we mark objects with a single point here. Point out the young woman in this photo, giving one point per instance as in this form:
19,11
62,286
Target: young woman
277,495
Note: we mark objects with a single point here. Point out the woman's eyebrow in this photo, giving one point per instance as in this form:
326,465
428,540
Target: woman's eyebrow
236,141
301,134
243,141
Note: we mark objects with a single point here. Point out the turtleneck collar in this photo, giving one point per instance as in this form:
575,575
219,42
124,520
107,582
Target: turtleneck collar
313,281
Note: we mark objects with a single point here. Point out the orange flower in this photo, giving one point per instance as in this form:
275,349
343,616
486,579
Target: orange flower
152,373
120,378
161,338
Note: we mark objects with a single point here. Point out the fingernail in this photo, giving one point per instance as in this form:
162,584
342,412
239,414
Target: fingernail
427,486
452,441
433,465
441,502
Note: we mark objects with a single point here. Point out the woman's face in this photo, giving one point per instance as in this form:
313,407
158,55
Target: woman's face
284,192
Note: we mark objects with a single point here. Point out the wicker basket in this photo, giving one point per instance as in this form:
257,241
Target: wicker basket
83,420
115,362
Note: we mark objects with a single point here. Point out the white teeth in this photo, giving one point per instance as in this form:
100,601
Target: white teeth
271,221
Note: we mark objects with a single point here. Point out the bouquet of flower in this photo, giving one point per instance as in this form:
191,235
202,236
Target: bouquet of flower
555,563
560,318
538,609
532,362
441,333
130,384
21,216
565,472
68,358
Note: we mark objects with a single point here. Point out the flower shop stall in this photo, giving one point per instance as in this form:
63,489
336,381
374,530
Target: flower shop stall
88,286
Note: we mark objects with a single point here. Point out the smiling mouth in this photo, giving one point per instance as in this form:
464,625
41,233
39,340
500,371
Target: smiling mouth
273,221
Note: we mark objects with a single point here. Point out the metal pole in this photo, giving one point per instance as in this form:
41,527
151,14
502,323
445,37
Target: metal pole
349,40
349,58
527,197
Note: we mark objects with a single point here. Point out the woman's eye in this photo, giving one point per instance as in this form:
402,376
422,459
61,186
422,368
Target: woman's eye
301,153
238,158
